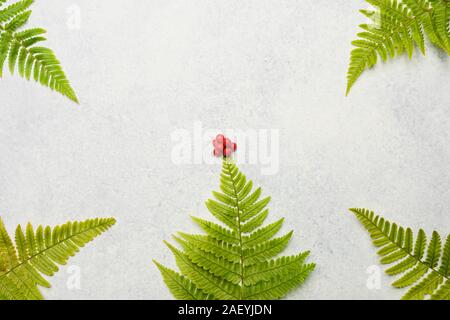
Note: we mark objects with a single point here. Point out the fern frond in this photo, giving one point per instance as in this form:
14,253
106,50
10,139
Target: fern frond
39,252
267,270
266,250
280,286
206,281
14,10
443,293
218,266
398,26
181,287
18,47
422,267
237,260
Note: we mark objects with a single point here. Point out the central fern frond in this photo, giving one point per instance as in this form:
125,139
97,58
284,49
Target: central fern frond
398,25
20,50
39,252
235,261
426,269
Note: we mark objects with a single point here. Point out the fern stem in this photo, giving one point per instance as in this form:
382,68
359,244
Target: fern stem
241,249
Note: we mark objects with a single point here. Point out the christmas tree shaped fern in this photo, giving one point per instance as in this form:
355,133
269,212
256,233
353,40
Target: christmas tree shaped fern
39,252
398,26
425,269
235,261
18,47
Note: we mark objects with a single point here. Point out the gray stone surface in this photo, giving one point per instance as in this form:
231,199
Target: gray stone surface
145,69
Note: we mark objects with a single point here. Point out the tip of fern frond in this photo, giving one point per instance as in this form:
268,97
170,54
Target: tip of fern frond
347,92
178,239
156,262
71,95
158,265
167,243
75,99
354,210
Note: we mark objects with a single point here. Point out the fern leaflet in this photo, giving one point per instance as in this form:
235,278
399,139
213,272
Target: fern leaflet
398,26
425,269
18,48
39,252
236,260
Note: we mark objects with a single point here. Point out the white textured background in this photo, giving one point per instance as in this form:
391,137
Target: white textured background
143,69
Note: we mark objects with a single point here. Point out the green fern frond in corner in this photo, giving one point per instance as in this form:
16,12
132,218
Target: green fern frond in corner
236,260
39,252
425,269
398,26
18,48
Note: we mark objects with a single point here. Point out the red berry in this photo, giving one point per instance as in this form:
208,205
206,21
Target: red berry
223,146
227,152
220,138
217,144
219,149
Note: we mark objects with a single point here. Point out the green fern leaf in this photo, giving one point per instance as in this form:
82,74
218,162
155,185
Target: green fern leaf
443,293
181,287
18,47
266,270
220,249
398,26
424,268
266,250
236,261
38,252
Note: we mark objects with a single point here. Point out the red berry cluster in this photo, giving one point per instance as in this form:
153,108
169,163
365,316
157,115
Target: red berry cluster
223,147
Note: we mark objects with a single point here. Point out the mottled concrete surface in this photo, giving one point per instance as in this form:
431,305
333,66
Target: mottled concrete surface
145,69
